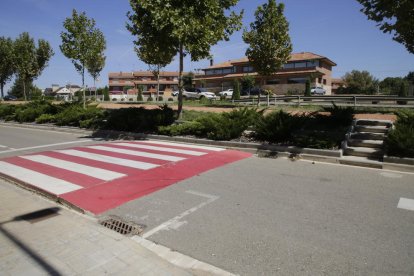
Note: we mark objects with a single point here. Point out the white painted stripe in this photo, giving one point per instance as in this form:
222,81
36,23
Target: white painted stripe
110,159
175,222
185,145
1,146
75,167
51,184
46,146
139,153
406,203
140,146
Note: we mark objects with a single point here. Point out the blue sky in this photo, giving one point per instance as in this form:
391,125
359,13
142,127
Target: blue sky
332,28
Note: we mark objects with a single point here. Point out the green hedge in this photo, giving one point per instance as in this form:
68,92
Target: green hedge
400,140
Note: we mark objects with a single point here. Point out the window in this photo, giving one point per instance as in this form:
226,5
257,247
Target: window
300,64
297,80
209,72
324,81
227,71
312,63
274,81
289,66
247,69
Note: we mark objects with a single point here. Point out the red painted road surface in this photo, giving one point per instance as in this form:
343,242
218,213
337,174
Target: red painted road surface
100,177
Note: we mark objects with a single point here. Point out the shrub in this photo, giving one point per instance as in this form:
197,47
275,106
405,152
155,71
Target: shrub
7,110
150,99
160,98
76,115
307,89
278,127
139,119
400,140
236,90
29,112
223,126
45,118
170,99
341,116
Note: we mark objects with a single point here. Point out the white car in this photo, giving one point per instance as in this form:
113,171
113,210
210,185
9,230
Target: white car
225,93
318,91
198,93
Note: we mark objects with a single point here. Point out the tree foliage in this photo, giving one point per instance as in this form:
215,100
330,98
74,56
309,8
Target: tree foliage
391,86
83,43
7,61
247,83
396,17
185,27
18,87
359,82
31,60
268,39
236,90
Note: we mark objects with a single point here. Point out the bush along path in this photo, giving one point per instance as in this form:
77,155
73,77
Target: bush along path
318,130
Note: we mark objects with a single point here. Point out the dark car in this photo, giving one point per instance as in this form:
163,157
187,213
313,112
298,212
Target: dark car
252,91
10,98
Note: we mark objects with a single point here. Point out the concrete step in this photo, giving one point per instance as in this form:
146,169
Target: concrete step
364,152
371,129
360,162
366,143
366,122
367,136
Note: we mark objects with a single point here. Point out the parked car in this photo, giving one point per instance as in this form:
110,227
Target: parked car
252,91
175,93
198,93
10,98
318,91
225,93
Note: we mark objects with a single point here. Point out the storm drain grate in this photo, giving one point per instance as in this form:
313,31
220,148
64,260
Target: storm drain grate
122,227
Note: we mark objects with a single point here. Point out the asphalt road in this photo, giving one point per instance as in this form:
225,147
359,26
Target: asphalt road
270,216
266,217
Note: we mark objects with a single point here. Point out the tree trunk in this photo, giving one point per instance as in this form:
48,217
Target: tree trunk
94,85
158,83
24,90
180,83
83,86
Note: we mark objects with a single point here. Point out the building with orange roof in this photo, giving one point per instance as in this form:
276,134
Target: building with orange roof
290,79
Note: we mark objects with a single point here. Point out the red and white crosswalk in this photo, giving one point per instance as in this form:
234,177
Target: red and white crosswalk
100,177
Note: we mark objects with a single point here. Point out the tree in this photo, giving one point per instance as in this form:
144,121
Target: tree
31,60
183,27
236,90
307,89
359,82
7,62
94,66
82,42
410,77
140,89
268,39
396,17
18,87
188,79
247,83
391,86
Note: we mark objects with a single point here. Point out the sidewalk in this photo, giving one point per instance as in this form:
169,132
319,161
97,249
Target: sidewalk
66,243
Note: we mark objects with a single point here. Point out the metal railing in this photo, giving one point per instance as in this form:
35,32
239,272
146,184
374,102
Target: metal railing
347,100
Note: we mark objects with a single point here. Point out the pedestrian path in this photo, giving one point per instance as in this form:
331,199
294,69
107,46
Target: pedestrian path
100,177
67,243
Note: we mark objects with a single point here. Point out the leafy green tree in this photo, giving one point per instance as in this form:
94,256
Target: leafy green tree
307,88
395,17
82,42
183,27
391,86
236,90
31,60
18,87
403,90
140,89
106,93
247,83
268,39
188,79
7,62
94,66
359,82
410,77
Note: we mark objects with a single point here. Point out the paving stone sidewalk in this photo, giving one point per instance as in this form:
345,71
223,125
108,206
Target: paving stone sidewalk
66,243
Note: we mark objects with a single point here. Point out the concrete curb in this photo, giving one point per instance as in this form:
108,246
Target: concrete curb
181,260
262,150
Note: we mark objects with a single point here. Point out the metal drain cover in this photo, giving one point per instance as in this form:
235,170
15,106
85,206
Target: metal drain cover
122,227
